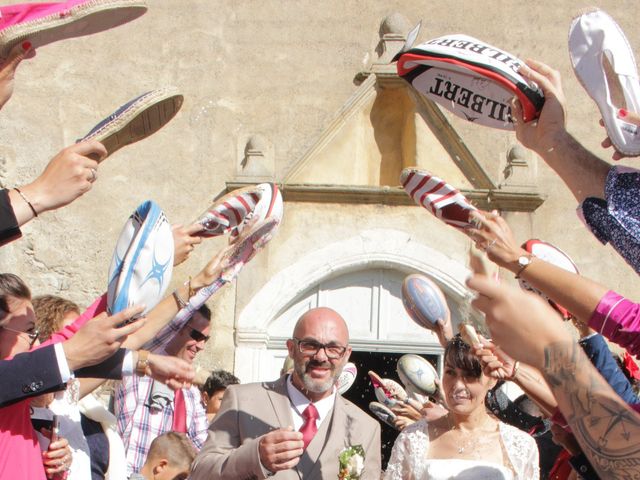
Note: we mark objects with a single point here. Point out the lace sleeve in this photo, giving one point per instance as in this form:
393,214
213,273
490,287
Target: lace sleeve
522,451
409,453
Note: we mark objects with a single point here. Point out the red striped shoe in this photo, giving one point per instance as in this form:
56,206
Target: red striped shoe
233,212
437,196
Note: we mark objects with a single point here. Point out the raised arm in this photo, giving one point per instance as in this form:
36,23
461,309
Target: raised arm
607,430
162,323
582,171
574,292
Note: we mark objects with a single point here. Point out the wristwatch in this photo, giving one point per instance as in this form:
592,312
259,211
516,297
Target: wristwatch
142,363
523,262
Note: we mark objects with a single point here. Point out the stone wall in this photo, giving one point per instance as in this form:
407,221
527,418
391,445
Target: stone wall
280,70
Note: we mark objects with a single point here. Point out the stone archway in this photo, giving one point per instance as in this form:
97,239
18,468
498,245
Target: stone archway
376,260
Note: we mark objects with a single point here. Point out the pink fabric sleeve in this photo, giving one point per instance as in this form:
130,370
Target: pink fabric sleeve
618,319
96,308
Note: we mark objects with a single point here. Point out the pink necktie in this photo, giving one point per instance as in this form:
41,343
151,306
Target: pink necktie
309,428
179,413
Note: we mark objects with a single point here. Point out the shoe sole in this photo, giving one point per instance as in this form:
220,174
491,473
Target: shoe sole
137,120
624,136
86,19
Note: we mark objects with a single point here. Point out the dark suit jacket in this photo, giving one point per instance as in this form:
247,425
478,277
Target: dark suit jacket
36,372
9,229
252,410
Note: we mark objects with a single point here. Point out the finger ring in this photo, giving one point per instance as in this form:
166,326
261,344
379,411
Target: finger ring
93,175
491,244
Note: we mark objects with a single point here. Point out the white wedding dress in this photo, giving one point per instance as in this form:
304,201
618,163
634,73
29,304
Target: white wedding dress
409,458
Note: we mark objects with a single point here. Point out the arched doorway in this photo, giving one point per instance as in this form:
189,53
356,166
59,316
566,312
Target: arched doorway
361,278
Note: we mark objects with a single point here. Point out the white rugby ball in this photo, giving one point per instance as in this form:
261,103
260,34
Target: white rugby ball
142,262
417,374
346,378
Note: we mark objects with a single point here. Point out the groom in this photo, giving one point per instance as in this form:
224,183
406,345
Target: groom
295,427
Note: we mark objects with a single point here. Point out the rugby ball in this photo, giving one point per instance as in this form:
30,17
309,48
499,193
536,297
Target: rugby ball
383,413
346,378
424,301
472,79
142,262
417,374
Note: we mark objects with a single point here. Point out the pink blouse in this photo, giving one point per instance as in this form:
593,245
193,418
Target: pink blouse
20,455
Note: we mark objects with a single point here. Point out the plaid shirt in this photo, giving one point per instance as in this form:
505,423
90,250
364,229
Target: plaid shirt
138,424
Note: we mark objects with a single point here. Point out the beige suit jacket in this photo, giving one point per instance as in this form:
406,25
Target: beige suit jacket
252,410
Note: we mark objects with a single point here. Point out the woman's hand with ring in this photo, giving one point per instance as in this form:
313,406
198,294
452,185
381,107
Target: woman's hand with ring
494,236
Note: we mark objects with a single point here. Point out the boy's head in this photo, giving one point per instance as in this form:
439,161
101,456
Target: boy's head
214,388
169,458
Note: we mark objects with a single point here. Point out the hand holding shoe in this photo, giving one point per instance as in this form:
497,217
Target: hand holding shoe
8,70
185,240
68,175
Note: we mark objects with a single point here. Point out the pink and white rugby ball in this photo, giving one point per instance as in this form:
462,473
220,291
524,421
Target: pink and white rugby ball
424,301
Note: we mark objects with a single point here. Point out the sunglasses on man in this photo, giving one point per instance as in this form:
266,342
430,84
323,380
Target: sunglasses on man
198,336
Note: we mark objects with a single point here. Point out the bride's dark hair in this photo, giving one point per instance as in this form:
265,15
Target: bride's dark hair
458,355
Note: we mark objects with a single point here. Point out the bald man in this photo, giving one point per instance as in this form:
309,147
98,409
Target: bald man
295,427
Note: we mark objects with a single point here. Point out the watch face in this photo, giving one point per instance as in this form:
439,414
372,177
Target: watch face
523,261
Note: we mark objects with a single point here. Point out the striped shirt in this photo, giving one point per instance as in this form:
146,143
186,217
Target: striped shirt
139,424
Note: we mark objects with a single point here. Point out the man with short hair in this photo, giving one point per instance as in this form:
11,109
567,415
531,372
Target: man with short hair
146,409
297,426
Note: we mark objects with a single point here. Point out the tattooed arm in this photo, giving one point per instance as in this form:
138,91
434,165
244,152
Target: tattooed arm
605,427
607,430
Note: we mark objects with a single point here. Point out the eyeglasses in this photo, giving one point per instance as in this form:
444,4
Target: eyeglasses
33,335
198,336
311,347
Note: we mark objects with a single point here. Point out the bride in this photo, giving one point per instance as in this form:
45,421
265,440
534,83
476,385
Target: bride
467,443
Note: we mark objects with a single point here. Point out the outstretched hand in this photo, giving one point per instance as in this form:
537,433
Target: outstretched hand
493,235
67,176
100,337
172,371
630,117
495,362
542,134
8,69
521,323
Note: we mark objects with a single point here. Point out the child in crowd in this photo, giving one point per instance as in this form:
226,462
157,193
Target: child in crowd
169,458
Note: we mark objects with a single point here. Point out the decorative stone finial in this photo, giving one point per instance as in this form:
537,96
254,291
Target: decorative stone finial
255,158
395,24
517,172
393,33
